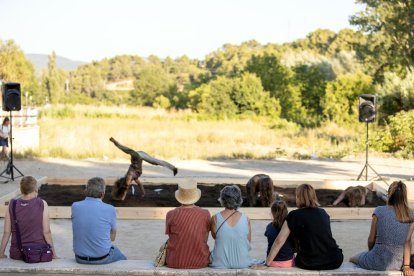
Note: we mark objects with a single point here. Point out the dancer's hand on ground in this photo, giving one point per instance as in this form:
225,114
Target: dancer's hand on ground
175,171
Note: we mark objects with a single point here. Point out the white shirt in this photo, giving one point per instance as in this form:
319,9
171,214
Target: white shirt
4,132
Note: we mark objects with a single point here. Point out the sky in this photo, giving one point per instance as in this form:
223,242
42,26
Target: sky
87,30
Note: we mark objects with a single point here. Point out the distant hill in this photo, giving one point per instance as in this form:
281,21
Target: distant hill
40,62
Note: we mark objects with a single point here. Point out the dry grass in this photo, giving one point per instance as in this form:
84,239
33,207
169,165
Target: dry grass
83,132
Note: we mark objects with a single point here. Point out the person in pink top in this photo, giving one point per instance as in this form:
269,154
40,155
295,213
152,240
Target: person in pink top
33,216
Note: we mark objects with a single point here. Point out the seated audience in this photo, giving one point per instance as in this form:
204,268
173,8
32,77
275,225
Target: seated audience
188,227
352,196
33,218
232,232
390,234
285,257
94,227
260,189
311,227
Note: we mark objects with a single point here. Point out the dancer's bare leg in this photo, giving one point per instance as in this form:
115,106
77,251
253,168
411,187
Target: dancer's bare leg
122,147
128,182
141,187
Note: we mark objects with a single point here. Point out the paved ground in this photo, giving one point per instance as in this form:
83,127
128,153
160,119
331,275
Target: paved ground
141,239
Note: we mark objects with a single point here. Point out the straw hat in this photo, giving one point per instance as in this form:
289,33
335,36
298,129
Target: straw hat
188,193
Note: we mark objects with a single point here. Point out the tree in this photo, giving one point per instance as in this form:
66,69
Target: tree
214,98
53,80
15,67
341,100
389,24
277,79
151,82
396,94
311,83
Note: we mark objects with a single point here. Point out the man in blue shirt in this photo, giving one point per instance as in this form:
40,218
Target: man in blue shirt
94,227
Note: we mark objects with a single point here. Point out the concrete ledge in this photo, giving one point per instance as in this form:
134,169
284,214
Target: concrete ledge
141,267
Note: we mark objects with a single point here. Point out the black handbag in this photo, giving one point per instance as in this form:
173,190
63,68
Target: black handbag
32,253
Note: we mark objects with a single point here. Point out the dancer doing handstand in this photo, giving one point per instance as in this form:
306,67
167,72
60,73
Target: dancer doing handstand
121,186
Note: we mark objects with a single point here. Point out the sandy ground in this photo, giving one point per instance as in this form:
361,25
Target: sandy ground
141,239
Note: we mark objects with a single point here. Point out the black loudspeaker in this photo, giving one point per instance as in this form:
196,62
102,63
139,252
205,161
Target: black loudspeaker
367,108
11,96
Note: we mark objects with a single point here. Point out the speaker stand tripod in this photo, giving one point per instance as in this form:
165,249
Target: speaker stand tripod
367,165
9,170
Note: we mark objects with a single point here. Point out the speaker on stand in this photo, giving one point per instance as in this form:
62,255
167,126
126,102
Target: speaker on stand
367,114
11,102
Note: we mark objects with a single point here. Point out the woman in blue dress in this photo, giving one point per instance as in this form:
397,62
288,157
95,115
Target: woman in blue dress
231,231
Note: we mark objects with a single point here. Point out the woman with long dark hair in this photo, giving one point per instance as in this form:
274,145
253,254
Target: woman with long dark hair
390,234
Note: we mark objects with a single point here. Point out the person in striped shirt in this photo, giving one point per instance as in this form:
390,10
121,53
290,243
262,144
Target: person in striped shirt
188,227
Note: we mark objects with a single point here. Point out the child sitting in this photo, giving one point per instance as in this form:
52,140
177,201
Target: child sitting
285,257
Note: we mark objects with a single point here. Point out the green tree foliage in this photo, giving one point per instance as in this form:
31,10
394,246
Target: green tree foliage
15,67
341,100
396,94
234,96
53,81
311,83
152,81
389,24
398,135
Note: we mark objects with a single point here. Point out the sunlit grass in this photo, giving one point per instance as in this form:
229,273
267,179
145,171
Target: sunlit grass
83,132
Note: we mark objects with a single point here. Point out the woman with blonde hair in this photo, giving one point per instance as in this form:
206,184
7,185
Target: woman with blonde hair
311,227
389,241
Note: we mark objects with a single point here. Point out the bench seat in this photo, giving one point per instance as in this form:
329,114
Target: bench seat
143,267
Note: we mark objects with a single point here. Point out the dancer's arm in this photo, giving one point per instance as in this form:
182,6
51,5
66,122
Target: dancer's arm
339,199
122,147
154,161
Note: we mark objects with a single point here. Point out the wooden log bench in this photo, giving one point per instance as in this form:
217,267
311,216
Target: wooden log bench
142,267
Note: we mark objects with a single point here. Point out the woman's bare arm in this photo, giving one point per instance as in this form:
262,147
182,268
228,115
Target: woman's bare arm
6,234
279,242
249,237
407,252
47,234
213,227
372,232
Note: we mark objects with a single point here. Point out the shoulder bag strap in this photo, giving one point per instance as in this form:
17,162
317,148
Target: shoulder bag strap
225,221
16,225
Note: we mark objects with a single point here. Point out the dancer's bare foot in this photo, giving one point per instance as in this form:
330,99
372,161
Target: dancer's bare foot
112,140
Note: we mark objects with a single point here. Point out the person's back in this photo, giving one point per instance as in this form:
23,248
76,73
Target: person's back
232,246
92,222
94,227
188,230
311,226
29,214
387,253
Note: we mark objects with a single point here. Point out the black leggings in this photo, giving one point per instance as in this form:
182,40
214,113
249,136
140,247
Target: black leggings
329,266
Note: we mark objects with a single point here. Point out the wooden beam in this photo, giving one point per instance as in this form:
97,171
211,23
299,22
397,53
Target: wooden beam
159,213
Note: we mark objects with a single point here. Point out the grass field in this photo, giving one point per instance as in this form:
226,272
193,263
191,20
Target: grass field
80,132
